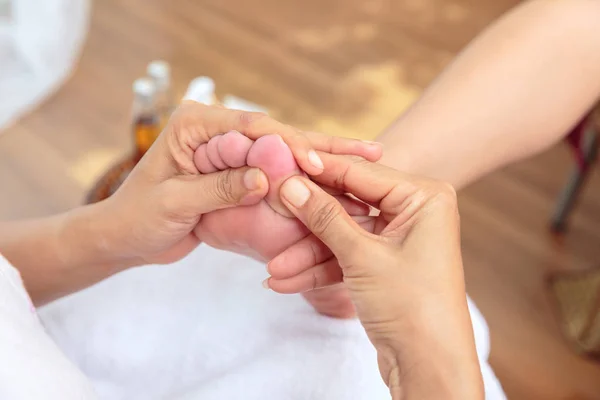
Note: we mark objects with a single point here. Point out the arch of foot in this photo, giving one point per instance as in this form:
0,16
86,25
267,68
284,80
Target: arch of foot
234,150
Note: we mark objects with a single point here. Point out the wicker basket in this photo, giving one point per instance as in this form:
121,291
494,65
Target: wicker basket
110,181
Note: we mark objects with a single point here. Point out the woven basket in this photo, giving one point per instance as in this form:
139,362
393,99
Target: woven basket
577,300
110,181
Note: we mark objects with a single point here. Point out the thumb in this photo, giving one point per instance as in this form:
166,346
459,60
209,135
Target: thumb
325,217
194,195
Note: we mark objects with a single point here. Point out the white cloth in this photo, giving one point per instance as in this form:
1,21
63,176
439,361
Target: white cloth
40,42
31,365
204,328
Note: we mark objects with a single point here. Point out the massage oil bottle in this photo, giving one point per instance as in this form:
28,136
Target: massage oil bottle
202,90
160,73
146,118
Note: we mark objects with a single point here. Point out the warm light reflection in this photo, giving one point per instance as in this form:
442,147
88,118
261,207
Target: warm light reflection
321,39
389,96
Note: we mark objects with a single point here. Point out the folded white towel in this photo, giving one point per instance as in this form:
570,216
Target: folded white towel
204,328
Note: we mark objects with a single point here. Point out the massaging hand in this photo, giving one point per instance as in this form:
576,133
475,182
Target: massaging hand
405,278
158,212
267,228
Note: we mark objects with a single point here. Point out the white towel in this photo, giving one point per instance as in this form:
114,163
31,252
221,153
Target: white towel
32,366
204,328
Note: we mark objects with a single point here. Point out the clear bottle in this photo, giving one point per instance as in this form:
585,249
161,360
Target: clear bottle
202,90
146,119
160,73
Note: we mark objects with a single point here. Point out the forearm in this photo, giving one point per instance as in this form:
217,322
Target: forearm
432,346
516,90
61,254
437,379
437,360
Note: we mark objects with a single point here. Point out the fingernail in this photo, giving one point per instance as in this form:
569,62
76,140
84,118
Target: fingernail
315,160
295,192
265,283
253,179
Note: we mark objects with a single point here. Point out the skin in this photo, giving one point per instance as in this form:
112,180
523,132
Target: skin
266,229
555,80
154,217
448,135
516,90
405,277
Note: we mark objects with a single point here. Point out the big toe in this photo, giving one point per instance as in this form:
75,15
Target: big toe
234,150
275,159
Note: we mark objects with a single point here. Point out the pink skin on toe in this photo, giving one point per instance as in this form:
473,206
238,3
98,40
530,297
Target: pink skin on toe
262,230
275,159
266,229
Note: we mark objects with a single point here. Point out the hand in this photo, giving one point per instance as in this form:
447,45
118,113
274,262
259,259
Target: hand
266,229
156,210
405,278
152,217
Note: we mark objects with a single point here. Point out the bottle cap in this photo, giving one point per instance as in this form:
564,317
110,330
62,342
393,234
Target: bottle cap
159,69
144,87
201,89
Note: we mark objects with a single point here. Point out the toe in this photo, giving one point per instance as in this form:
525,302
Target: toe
233,149
212,152
202,162
275,159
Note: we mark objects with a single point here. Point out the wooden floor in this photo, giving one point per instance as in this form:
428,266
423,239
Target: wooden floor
346,67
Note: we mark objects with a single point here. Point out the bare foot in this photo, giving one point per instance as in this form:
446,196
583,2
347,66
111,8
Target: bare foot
262,230
266,229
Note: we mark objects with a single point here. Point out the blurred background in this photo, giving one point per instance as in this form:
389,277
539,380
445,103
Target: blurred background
344,67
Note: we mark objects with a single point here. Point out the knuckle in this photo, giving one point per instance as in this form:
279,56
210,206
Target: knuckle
341,177
445,194
321,219
182,136
189,110
250,121
339,180
314,252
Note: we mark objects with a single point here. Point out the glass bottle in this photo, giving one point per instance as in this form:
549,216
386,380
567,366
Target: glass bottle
202,90
160,73
146,119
